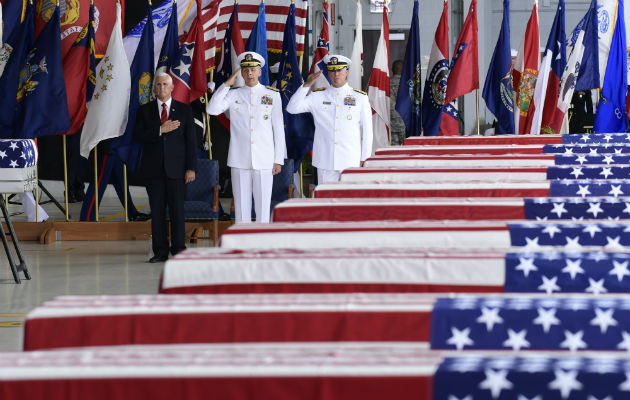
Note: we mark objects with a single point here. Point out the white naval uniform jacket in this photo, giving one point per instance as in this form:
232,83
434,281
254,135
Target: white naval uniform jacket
256,125
343,125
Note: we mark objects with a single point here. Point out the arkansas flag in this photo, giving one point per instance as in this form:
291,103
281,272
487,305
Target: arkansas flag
526,71
378,91
464,75
548,86
437,76
189,69
323,44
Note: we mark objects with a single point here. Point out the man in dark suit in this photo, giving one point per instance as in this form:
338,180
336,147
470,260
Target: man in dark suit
169,159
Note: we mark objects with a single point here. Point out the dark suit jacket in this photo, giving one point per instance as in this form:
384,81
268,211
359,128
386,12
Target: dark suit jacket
172,153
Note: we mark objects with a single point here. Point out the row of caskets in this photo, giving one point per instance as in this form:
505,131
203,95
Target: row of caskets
411,278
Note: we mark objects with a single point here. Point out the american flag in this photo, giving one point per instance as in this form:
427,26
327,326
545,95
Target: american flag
588,159
532,378
20,153
593,272
597,138
589,172
570,234
577,208
589,187
591,149
530,323
276,16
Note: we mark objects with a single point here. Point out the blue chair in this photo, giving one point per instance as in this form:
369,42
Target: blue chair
202,196
282,188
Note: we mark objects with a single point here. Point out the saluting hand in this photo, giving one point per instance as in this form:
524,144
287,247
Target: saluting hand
232,79
311,79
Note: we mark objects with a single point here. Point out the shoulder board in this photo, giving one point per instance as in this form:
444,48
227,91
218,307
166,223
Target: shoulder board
318,89
360,91
272,88
235,87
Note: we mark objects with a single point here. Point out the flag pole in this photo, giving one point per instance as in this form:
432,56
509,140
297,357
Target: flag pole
65,174
477,97
126,190
37,190
95,183
209,132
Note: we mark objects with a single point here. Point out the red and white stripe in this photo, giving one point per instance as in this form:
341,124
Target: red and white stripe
470,188
442,174
378,90
276,12
515,160
211,270
477,140
372,234
485,149
399,209
81,321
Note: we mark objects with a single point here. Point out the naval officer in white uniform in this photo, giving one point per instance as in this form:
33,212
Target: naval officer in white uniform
343,120
257,148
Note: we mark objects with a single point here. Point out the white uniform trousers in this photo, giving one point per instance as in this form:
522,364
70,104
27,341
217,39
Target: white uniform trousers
246,182
28,202
327,175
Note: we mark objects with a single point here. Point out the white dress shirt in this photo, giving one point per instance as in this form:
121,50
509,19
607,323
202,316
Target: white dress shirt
343,125
256,125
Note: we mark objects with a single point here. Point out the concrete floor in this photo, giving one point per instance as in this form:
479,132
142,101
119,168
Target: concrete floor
75,268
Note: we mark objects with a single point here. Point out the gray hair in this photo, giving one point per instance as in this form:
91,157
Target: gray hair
161,72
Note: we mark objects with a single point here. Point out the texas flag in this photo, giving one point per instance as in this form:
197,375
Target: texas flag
525,71
547,89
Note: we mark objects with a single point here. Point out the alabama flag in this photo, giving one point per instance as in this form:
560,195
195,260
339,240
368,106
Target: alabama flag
547,89
378,91
526,71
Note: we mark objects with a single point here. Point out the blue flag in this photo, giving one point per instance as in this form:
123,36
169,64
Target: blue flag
410,91
41,95
142,68
588,77
170,46
257,42
298,128
611,111
19,40
498,89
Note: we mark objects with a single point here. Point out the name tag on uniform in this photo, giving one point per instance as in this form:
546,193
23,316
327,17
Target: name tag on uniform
327,103
349,101
266,99
238,102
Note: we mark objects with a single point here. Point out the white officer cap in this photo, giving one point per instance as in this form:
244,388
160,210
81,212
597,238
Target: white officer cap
336,62
251,59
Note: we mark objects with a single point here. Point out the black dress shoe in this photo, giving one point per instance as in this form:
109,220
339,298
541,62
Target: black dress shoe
140,217
157,259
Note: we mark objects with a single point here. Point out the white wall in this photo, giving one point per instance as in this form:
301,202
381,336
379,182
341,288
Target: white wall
489,21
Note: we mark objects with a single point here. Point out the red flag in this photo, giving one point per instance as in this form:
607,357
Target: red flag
189,70
464,75
75,17
449,125
525,72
